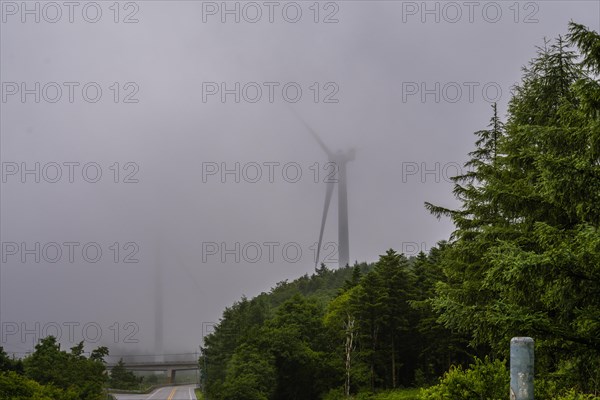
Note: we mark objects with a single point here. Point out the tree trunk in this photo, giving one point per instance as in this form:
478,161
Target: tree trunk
393,364
349,348
374,348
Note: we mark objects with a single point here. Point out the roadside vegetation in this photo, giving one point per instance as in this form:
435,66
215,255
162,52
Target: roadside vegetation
50,373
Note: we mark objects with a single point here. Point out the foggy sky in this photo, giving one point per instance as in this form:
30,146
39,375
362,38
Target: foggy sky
172,135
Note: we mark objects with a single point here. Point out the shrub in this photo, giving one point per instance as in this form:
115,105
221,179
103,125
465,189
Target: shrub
484,379
573,395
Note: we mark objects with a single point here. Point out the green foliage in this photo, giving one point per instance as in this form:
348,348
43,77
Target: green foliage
402,394
297,341
9,364
269,322
550,389
121,378
484,379
524,259
48,365
250,375
335,394
397,394
382,304
17,387
363,336
573,395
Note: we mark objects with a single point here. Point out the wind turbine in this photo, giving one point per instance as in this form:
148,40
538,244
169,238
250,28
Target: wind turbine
158,305
159,289
340,159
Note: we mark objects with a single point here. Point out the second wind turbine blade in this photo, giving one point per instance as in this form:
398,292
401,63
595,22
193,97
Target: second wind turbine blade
313,133
328,193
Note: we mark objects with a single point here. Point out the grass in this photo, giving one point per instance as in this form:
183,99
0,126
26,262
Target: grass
398,394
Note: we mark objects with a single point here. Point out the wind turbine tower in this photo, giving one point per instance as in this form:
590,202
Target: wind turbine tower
340,160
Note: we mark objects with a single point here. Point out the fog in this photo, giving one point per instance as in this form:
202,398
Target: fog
172,145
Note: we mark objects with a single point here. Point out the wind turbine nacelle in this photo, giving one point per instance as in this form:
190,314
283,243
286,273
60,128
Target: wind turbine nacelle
344,157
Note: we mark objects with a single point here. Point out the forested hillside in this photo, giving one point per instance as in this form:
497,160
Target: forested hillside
367,326
524,260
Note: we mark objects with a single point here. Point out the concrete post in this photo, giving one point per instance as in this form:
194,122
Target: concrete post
521,368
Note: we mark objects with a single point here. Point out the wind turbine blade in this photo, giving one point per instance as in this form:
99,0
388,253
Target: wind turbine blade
313,133
184,266
328,193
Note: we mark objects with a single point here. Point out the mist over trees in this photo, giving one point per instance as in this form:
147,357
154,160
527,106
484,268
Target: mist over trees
524,260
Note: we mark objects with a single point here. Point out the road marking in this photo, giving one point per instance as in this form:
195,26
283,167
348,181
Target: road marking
155,393
191,396
172,394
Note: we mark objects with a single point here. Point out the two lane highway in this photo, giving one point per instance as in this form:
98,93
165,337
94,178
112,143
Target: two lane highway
165,393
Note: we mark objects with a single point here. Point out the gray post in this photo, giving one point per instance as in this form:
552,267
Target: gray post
521,368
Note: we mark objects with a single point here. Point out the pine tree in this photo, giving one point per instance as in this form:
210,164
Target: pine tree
396,291
368,305
479,222
525,257
121,378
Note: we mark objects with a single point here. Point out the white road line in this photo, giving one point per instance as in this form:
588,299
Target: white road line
191,393
155,393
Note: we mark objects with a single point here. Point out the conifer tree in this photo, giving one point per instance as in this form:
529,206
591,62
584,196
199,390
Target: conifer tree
525,256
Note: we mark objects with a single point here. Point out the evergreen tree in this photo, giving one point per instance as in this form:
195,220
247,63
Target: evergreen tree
8,364
396,291
368,303
121,378
524,260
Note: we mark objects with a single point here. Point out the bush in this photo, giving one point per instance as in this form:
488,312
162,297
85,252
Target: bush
335,394
397,394
552,389
17,387
484,379
573,395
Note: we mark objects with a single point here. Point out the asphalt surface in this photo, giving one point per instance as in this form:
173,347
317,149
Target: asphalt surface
165,393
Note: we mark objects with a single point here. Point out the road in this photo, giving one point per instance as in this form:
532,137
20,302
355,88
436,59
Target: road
166,393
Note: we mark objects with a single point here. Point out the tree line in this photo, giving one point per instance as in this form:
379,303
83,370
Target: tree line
50,373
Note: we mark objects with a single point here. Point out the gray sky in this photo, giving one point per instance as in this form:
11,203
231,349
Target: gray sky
368,81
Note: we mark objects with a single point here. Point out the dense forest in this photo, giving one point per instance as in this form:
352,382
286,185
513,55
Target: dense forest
524,260
367,326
